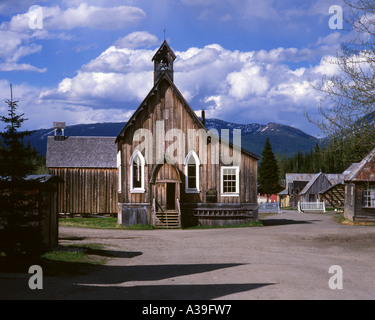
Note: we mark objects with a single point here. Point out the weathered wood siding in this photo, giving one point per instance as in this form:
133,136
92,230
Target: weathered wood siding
166,105
321,183
87,191
354,210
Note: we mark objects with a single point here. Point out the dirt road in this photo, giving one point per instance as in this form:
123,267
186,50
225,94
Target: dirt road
288,258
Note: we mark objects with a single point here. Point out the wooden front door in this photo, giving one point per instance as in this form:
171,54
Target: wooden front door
171,196
167,188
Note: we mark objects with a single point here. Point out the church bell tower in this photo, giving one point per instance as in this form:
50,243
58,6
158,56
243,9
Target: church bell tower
163,62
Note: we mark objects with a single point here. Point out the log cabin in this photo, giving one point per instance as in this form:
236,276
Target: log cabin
174,172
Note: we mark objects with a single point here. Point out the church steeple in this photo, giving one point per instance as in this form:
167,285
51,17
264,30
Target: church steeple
163,61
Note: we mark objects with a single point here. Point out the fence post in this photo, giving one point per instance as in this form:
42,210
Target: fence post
299,207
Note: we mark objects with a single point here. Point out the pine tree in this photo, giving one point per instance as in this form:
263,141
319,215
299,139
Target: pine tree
268,172
15,157
19,234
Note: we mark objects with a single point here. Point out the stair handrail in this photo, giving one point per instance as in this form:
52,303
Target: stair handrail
155,219
179,212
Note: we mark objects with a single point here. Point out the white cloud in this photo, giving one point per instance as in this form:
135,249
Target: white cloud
230,85
137,39
249,81
41,113
97,87
82,16
20,67
327,67
18,40
13,47
121,61
86,16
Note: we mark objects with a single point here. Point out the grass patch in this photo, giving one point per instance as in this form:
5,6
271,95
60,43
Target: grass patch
341,219
72,260
62,261
98,223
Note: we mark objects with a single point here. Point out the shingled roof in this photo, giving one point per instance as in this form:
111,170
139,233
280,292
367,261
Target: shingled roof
81,152
363,171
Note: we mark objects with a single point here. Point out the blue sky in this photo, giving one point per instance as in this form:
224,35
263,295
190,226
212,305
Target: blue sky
244,61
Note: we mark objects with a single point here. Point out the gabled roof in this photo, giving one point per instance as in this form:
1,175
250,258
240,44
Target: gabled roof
152,92
365,170
162,51
191,112
81,152
311,182
291,178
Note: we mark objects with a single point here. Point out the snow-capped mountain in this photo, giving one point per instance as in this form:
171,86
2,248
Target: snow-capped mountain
284,139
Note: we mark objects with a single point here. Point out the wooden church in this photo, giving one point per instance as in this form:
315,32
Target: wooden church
174,172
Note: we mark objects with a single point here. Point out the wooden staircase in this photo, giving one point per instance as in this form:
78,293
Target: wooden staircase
167,220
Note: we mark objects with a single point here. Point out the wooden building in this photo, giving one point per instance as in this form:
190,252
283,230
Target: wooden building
310,193
360,190
172,170
319,182
334,195
41,189
88,168
307,187
294,184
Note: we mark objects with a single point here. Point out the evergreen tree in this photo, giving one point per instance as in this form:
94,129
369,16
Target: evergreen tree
19,237
268,172
15,157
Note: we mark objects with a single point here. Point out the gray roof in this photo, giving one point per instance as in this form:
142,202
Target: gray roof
363,171
310,178
81,152
291,177
350,169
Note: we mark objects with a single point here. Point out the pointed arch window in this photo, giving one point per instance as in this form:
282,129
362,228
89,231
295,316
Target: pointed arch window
192,164
137,173
119,189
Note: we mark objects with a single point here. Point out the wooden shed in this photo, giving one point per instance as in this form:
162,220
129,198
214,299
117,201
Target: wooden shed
88,168
173,170
360,190
334,195
294,184
44,218
311,192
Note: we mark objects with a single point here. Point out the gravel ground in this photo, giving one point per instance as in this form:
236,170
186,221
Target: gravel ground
288,258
